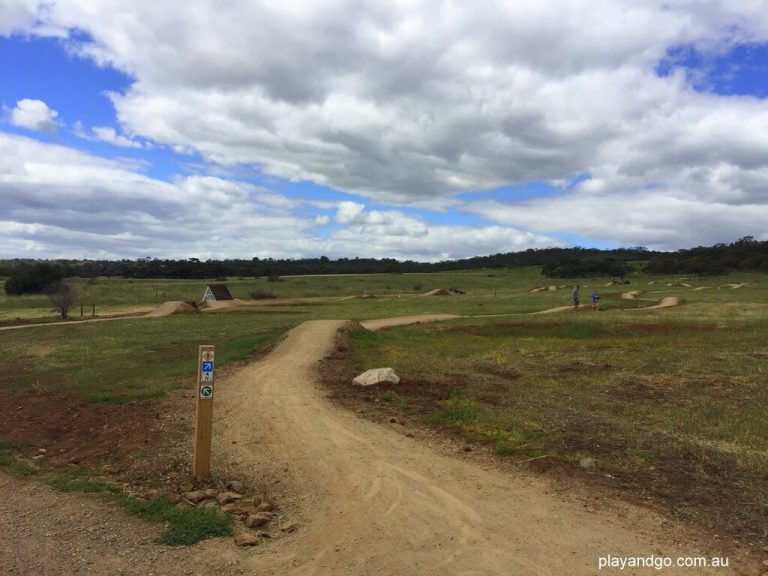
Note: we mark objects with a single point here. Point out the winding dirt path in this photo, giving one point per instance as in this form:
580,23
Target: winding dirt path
370,500
383,323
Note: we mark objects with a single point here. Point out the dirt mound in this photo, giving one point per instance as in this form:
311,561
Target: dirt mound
630,295
168,308
700,288
437,292
735,286
539,289
667,302
225,304
374,325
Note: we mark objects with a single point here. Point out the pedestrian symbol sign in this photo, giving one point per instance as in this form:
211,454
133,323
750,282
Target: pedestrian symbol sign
206,377
206,391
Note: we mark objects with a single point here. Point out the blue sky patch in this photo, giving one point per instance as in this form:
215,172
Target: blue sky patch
741,71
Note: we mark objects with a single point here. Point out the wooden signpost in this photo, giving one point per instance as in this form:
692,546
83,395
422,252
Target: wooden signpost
203,428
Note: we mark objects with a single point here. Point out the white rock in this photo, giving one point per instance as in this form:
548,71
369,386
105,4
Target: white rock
377,376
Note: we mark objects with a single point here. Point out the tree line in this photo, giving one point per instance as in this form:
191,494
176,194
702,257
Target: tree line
29,276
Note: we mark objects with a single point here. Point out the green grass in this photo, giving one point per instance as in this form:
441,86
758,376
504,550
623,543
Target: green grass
130,360
396,401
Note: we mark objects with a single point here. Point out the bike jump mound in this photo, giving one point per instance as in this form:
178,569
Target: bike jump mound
437,292
169,308
667,302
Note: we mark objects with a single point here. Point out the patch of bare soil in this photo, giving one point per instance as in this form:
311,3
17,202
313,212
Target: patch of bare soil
554,310
78,432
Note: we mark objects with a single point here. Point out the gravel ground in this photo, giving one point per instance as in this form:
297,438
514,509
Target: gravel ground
45,532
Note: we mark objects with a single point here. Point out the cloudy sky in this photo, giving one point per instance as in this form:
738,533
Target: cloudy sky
418,129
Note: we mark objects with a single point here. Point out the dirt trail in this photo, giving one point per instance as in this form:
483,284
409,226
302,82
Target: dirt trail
667,302
372,501
382,323
630,295
554,310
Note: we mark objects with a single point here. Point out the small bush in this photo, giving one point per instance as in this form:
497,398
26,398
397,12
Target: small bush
262,295
460,410
395,400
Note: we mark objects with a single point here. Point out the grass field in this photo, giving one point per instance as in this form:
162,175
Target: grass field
671,404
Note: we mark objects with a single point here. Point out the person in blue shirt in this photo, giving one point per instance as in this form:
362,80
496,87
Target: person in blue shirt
595,299
575,296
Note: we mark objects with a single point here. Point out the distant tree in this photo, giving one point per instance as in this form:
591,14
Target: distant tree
35,279
62,297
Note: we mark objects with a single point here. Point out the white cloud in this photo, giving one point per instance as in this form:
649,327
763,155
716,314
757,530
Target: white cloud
34,115
414,102
17,15
392,234
106,134
59,202
349,211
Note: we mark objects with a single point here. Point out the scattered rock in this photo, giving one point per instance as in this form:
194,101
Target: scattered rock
209,504
257,520
393,420
42,451
228,497
289,527
377,376
112,469
467,448
173,498
152,494
74,460
587,462
246,539
38,457
195,496
235,486
266,507
186,487
409,435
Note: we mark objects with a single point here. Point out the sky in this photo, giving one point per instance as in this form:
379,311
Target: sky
409,129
